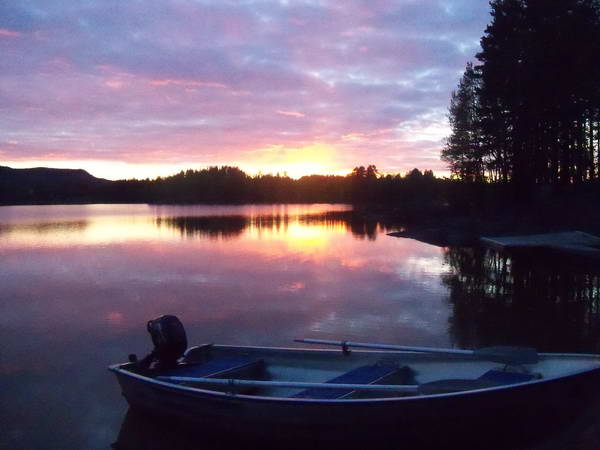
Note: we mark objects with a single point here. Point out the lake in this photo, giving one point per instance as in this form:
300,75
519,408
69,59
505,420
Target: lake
78,284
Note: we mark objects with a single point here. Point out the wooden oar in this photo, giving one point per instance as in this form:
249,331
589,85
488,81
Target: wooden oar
232,382
499,354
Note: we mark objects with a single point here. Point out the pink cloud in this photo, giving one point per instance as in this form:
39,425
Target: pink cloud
291,113
186,83
8,33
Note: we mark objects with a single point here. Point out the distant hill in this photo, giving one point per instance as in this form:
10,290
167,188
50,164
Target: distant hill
45,185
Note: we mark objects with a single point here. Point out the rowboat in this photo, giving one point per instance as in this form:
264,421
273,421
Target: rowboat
359,392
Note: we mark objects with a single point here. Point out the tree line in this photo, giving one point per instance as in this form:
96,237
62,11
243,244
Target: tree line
228,184
224,184
529,111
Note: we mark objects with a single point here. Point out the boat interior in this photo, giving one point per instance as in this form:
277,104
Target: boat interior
428,374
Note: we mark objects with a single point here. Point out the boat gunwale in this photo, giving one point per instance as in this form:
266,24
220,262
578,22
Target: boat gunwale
331,350
118,369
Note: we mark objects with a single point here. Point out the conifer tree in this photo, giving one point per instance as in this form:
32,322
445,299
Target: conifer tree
463,150
530,112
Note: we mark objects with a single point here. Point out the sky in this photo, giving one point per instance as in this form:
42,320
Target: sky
146,88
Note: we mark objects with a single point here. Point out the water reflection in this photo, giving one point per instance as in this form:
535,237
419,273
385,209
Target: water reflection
229,227
39,231
211,227
79,283
44,227
75,297
140,431
524,298
54,213
161,224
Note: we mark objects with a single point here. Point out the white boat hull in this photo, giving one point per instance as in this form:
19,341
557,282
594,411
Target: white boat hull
506,412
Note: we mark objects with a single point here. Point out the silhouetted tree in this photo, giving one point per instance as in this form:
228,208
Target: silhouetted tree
371,173
531,110
464,148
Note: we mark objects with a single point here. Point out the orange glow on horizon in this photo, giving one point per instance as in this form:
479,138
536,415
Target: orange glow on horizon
296,162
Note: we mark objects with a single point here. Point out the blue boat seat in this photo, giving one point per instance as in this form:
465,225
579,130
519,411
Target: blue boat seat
492,378
361,375
501,377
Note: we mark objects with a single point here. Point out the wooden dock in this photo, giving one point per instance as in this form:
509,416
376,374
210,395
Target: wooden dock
573,242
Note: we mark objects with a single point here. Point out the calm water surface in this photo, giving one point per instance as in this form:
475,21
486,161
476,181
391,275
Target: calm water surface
78,283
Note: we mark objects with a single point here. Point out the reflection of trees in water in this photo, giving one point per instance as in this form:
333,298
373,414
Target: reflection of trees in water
44,227
359,225
523,299
230,227
365,228
215,227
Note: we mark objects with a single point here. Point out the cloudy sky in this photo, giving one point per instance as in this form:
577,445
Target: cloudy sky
141,88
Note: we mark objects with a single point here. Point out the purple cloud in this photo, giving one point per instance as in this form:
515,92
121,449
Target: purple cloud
188,83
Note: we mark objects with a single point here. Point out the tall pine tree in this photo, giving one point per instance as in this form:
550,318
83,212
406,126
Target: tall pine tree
463,150
537,96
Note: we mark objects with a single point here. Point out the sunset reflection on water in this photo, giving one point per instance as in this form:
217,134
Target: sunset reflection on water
80,282
104,225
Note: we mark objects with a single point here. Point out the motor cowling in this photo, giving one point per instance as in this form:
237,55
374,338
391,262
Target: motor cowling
169,339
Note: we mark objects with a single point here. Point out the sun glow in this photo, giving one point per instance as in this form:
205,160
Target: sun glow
296,236
296,162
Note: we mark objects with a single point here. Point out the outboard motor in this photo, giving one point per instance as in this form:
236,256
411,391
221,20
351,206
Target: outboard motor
170,342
